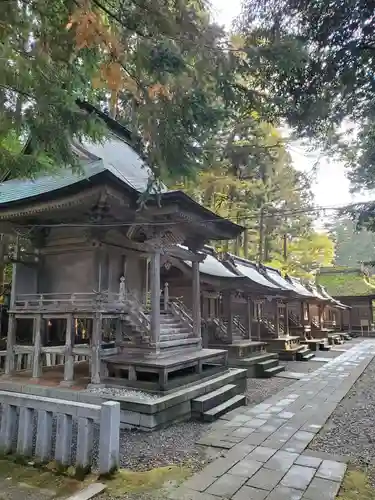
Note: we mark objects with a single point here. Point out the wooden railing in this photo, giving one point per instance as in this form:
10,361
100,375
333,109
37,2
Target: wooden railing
271,327
220,332
293,318
137,317
67,301
315,322
50,356
178,309
239,326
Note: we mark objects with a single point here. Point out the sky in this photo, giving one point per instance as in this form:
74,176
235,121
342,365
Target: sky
331,187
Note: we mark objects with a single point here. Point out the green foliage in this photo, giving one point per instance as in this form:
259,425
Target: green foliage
162,68
352,246
253,173
328,74
306,255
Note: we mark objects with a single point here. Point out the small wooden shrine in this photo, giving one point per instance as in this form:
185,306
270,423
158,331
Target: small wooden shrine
86,272
229,304
354,288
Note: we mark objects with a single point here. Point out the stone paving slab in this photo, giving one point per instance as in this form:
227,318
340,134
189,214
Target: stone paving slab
266,457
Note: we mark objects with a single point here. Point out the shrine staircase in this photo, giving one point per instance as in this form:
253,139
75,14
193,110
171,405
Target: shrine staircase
176,328
288,348
296,327
320,335
247,353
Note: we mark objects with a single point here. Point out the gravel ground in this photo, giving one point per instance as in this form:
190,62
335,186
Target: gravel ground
259,389
174,445
302,366
351,431
123,392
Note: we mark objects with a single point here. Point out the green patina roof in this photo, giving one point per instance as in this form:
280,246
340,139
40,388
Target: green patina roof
346,282
21,189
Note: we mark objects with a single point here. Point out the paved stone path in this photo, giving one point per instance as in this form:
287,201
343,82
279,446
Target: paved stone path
266,457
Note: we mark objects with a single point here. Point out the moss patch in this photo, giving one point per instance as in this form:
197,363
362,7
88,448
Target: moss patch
356,486
128,482
37,478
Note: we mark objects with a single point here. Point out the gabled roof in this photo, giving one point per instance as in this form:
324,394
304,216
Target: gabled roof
256,280
301,289
213,267
346,282
114,155
334,302
316,292
17,190
276,277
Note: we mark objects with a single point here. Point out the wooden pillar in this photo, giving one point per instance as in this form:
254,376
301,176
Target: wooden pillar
11,340
371,316
302,313
196,301
277,319
96,340
166,296
341,315
118,333
37,338
257,306
286,318
321,315
155,299
249,318
229,315
69,358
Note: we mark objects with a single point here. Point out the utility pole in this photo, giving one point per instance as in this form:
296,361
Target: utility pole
285,247
246,243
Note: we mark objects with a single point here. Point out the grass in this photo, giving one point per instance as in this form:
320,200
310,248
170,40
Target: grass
36,478
356,486
122,483
128,482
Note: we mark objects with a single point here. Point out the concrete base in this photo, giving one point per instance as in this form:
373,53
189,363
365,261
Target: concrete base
320,333
315,344
164,373
242,349
144,414
286,346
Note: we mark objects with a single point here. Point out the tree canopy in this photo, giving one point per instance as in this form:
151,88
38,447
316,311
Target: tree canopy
352,246
330,79
253,182
161,68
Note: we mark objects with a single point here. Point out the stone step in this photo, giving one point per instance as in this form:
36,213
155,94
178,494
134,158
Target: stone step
271,372
265,365
259,358
305,355
218,411
324,347
180,343
175,336
171,331
214,398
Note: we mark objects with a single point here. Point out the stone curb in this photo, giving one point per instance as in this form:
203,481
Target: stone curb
90,492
